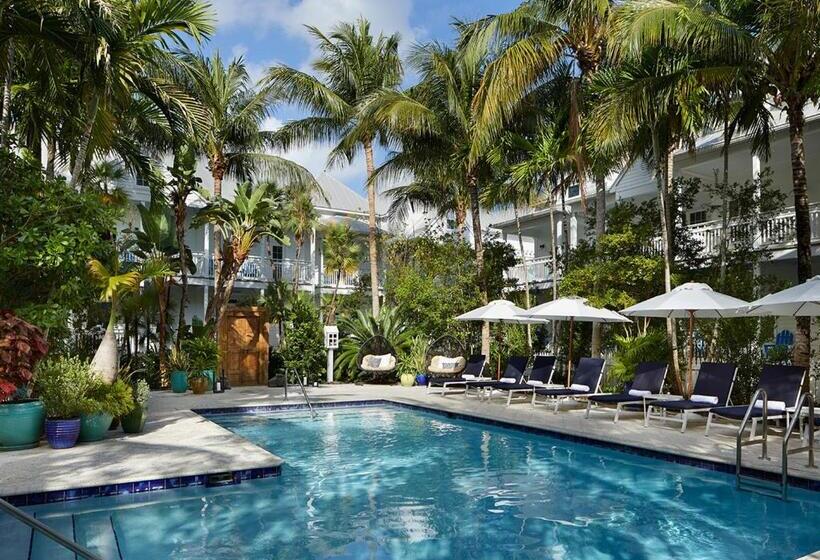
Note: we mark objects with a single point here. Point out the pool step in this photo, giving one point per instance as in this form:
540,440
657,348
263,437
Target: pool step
93,530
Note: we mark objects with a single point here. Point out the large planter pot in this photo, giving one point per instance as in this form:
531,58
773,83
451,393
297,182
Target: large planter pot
21,424
198,385
134,421
179,381
62,434
407,379
93,427
210,376
421,379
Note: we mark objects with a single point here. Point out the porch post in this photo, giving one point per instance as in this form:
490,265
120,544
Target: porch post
206,262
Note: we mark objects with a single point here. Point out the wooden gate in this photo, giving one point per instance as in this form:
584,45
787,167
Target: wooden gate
243,343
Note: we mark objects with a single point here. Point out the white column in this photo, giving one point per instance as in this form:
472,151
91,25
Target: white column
313,269
206,249
573,231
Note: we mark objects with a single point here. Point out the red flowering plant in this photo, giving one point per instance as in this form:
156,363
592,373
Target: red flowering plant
22,345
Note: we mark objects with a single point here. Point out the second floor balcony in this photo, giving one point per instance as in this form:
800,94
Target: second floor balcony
537,270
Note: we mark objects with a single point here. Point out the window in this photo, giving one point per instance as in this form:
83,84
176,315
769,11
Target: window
573,191
697,217
139,179
276,252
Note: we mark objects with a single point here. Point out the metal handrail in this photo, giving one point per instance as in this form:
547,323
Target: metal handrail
804,398
44,529
304,392
740,444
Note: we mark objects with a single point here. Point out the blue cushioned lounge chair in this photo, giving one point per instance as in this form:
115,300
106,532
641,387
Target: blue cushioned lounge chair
782,385
586,381
713,387
649,378
473,370
540,374
516,366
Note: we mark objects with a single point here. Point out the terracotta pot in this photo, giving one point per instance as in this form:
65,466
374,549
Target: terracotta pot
198,385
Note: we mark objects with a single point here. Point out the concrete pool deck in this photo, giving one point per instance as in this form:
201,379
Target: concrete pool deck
178,442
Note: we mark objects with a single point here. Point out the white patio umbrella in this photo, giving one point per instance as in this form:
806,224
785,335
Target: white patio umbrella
802,300
497,311
572,309
691,300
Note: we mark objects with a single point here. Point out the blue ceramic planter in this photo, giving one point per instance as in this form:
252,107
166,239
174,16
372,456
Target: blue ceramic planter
62,434
93,427
421,379
179,381
21,424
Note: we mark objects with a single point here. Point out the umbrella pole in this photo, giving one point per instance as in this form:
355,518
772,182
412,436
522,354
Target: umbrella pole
569,352
691,354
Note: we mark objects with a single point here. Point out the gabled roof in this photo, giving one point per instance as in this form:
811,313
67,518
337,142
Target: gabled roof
338,196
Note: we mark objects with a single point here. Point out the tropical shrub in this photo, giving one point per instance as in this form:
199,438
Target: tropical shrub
142,392
115,399
203,353
304,351
63,384
414,360
145,367
22,345
179,360
631,351
357,329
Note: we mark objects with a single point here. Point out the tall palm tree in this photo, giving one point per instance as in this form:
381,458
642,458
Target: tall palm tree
120,51
255,213
352,66
227,130
342,255
778,43
439,112
301,219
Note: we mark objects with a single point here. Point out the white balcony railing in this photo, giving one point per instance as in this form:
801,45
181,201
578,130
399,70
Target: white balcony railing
538,271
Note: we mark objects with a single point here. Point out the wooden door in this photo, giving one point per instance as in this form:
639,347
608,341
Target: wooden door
243,342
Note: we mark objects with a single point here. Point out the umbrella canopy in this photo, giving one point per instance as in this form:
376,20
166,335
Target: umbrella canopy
575,309
686,300
802,300
497,311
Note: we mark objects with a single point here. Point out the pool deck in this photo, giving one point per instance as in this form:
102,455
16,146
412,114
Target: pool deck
178,442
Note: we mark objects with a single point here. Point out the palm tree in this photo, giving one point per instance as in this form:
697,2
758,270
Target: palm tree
114,283
342,255
777,44
352,67
254,214
121,47
301,219
438,113
227,129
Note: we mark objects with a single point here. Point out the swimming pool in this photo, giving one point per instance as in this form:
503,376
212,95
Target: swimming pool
389,482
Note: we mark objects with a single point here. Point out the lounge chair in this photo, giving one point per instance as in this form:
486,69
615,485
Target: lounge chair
587,381
473,370
539,376
782,385
516,365
713,387
649,378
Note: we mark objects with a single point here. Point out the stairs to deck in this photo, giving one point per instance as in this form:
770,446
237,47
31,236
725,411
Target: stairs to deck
93,530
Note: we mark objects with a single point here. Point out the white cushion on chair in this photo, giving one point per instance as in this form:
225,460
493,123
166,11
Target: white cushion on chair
468,376
639,393
443,364
707,399
579,387
383,362
535,383
779,406
507,380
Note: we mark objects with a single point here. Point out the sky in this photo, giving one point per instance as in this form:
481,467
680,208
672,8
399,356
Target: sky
268,32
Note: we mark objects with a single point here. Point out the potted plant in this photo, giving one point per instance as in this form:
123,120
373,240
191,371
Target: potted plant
413,362
198,381
22,345
203,352
62,384
180,364
102,403
134,421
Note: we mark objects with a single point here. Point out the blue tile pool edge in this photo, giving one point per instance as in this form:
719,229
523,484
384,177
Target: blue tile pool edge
138,487
706,464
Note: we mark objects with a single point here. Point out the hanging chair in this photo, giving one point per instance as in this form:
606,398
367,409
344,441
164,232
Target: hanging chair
377,360
445,357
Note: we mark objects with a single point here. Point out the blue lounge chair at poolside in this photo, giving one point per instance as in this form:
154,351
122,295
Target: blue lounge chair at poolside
782,385
516,366
586,381
649,378
712,387
540,374
473,370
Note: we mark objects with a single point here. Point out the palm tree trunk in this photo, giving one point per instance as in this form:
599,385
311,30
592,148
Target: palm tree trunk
105,362
475,214
371,229
218,173
553,273
461,219
162,327
85,140
228,281
526,272
183,268
5,124
600,230
724,228
801,220
298,264
331,317
51,155
662,177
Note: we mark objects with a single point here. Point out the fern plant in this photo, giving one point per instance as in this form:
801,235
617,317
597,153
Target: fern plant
631,351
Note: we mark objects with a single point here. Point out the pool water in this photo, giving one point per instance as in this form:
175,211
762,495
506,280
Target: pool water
385,482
